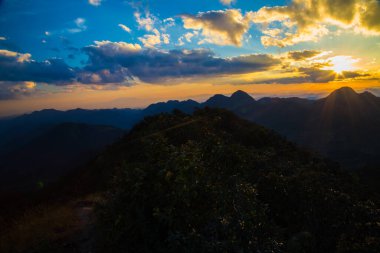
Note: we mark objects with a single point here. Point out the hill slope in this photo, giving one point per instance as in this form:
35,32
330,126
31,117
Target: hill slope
53,153
212,182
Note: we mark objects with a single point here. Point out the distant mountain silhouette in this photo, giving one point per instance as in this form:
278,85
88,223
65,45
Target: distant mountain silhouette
237,99
53,153
185,106
343,126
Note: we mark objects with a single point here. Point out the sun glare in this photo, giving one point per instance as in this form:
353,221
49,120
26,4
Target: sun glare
341,63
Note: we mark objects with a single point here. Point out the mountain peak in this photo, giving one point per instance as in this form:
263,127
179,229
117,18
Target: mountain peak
237,99
241,95
216,100
344,93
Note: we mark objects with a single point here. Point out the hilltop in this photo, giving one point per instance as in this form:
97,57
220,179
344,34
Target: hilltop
214,182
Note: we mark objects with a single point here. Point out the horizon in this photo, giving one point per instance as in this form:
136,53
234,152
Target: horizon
129,54
257,98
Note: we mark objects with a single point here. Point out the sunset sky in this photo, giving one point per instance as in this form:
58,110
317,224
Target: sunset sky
113,53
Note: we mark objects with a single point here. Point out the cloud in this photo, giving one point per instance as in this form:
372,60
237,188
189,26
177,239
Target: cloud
227,2
151,40
165,38
80,22
16,90
155,26
114,74
155,66
125,28
180,41
155,39
16,66
108,49
169,22
80,26
369,15
187,37
315,74
353,75
302,55
304,75
95,2
147,22
309,20
219,27
121,63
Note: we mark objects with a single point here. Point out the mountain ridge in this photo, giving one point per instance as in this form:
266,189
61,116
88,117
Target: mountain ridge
342,121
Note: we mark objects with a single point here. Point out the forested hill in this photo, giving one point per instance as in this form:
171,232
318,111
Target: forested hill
212,182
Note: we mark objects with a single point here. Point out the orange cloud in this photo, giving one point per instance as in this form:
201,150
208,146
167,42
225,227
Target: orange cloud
219,27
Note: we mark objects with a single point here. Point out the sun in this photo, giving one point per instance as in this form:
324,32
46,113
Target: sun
339,64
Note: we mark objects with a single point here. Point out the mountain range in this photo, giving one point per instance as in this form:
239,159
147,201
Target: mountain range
342,126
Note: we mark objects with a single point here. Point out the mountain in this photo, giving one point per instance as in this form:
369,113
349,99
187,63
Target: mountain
16,131
237,99
187,106
53,153
212,182
343,126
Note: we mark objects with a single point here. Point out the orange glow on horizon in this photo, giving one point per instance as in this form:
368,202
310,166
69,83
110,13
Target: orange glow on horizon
139,96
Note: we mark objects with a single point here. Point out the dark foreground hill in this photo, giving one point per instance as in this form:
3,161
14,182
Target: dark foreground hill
207,182
212,182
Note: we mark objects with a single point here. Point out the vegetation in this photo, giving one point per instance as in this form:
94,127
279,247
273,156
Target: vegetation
50,227
212,182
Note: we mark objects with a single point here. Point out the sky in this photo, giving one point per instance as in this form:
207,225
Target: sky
114,53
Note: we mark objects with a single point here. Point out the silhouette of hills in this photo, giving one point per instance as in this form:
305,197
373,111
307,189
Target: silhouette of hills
342,126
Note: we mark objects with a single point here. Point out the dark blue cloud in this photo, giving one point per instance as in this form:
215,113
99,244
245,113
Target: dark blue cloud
20,67
156,65
125,64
